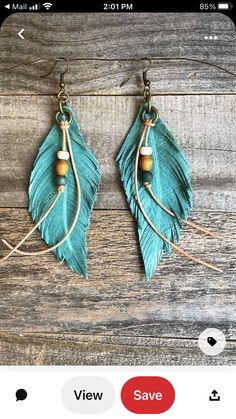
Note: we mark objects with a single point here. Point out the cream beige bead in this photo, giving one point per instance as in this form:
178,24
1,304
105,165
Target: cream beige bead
63,155
145,163
145,151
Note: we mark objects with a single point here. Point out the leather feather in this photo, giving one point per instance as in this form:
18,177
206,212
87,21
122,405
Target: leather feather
42,191
171,184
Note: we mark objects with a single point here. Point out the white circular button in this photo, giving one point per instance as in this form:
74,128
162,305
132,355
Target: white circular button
212,342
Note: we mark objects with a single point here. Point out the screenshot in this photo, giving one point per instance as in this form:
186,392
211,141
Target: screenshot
117,209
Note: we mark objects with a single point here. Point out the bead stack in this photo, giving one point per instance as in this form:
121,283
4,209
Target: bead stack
62,165
145,164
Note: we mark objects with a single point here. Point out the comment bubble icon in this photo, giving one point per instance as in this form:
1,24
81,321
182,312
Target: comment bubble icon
21,394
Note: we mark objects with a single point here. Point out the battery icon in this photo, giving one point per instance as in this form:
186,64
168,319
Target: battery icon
224,6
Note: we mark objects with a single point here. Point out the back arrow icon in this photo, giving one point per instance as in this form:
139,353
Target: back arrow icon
20,34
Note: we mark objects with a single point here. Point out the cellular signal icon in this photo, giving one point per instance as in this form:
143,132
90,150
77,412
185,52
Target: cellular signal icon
47,5
35,7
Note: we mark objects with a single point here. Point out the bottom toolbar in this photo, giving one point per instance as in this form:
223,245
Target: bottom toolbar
117,392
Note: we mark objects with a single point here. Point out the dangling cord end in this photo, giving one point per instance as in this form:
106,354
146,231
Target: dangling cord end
60,191
61,188
13,249
172,245
198,227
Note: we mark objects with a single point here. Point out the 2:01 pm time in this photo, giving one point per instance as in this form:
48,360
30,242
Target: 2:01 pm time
117,6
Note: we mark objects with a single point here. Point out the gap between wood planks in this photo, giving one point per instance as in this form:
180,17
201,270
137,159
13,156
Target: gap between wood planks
205,93
128,210
8,333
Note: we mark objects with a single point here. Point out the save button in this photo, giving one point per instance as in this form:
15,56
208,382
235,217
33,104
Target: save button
145,395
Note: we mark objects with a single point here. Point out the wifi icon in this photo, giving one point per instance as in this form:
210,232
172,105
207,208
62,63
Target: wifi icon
47,5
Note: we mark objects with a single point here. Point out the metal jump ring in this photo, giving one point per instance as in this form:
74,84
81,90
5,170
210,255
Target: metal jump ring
63,96
152,110
65,111
61,107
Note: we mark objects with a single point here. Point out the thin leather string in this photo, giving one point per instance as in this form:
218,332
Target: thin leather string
172,245
40,221
149,124
15,249
63,128
189,223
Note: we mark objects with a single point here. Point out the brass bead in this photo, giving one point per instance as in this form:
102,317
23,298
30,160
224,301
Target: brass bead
62,167
145,163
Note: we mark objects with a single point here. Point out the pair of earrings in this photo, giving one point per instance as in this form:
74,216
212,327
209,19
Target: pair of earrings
66,176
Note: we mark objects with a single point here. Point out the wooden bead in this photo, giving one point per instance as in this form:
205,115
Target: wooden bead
145,163
62,167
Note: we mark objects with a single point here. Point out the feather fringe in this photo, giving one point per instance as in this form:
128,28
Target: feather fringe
42,191
171,184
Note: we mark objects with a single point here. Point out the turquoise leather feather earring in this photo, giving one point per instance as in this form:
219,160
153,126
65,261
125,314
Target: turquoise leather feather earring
62,190
156,179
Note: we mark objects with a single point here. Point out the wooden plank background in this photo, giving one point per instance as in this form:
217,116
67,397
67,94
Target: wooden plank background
49,315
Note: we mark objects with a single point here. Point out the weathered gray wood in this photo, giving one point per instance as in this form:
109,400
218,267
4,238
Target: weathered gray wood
204,125
38,294
74,349
115,37
49,315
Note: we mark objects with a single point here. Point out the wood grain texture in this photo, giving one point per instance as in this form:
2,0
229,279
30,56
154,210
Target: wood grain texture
116,291
207,135
116,317
74,349
107,47
48,314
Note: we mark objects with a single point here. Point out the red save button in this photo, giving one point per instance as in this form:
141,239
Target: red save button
147,395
